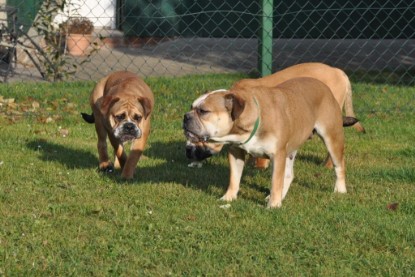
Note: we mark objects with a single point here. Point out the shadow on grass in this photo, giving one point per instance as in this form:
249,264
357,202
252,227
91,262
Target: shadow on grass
214,172
173,169
69,157
315,158
170,165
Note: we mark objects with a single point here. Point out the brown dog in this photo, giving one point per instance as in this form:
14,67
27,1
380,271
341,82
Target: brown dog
270,123
334,78
121,108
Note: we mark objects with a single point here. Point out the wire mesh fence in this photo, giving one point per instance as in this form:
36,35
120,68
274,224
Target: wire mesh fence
373,40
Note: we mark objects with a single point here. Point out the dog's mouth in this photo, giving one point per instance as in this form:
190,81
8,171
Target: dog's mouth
127,132
128,137
192,137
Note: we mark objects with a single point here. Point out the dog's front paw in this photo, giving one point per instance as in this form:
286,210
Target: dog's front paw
274,204
127,174
340,190
106,168
228,197
340,186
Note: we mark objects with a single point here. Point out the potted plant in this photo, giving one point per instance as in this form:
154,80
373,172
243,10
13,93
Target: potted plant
78,35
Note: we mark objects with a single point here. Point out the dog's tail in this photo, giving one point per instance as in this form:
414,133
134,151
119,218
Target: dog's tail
348,105
349,121
88,117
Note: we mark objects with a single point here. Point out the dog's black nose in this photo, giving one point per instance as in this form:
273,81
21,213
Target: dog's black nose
129,126
186,118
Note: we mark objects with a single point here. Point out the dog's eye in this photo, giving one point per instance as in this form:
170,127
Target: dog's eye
120,117
137,117
202,111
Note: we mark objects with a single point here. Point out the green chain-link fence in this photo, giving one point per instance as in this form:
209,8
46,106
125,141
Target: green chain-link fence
175,37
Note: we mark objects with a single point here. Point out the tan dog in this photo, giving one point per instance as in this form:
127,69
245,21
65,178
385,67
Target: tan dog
334,78
121,107
270,123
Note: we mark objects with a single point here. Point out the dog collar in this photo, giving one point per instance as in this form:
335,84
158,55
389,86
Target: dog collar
257,122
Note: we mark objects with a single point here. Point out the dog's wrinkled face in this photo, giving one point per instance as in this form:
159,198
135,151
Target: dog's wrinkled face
125,116
211,116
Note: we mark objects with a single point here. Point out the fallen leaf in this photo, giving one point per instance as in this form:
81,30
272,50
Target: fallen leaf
96,210
392,206
226,206
191,218
35,105
11,105
40,132
8,100
64,132
70,106
18,113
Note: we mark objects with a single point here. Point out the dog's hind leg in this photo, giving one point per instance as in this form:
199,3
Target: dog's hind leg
120,157
289,173
339,168
334,142
261,163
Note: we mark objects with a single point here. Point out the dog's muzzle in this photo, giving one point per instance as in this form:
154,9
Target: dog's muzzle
127,132
190,129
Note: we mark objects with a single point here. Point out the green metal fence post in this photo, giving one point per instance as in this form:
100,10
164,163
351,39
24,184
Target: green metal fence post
265,39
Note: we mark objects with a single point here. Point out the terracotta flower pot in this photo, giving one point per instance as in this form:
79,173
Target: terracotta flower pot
78,44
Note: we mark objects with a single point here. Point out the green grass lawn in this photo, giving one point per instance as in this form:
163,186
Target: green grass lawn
60,217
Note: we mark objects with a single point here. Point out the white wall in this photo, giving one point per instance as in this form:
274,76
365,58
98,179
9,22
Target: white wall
100,12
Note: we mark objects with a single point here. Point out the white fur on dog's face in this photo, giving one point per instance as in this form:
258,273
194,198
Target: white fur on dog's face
204,96
127,131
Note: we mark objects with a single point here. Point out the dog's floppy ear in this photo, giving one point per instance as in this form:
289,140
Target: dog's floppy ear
146,104
107,102
234,104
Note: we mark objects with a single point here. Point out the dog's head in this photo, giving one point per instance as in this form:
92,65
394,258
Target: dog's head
212,115
125,115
